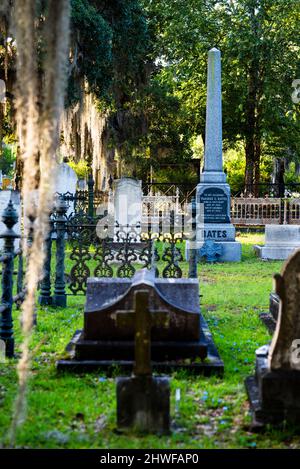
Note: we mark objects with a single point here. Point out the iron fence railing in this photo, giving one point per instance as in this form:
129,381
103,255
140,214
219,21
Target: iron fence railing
75,251
7,258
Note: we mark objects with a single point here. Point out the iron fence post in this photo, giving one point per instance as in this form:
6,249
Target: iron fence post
90,196
9,218
60,297
193,265
45,295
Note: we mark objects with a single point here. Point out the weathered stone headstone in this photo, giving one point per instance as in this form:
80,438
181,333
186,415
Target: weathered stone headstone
106,341
2,91
274,305
213,191
274,392
2,351
143,401
66,183
128,201
5,197
280,242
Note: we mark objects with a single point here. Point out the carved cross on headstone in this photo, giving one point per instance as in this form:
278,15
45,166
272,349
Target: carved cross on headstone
143,319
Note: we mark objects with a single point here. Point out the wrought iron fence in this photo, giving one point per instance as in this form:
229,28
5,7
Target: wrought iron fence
269,190
85,201
7,260
76,250
161,199
265,211
292,211
182,193
256,211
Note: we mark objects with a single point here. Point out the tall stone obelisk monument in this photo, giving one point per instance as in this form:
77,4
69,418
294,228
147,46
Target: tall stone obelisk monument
213,191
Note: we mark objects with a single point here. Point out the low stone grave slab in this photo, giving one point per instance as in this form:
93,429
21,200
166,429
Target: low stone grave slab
281,241
106,341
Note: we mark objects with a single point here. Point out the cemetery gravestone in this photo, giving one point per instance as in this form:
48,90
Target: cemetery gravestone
66,183
275,389
280,242
274,305
213,191
5,197
143,401
128,202
105,341
2,351
2,91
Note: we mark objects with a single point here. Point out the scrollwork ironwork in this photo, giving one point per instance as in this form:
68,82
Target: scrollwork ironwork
172,255
80,271
103,255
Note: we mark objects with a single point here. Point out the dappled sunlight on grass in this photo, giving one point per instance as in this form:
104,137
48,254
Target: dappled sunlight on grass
79,411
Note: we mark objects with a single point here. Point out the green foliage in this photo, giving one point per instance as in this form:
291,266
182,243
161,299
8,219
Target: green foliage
259,41
292,174
7,159
81,168
92,49
234,166
66,410
109,46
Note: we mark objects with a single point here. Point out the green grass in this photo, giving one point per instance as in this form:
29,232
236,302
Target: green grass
71,411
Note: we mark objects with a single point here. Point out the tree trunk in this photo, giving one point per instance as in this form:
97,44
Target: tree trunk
278,177
252,172
253,113
249,171
253,141
257,155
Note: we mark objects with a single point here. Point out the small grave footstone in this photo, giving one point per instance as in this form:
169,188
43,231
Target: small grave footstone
274,391
143,401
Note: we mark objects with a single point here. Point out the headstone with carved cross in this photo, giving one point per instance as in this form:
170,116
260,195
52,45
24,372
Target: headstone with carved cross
143,319
143,401
274,392
179,334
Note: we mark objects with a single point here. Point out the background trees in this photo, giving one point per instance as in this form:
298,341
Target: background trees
142,64
259,40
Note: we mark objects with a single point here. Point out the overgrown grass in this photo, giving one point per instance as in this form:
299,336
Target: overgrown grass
71,411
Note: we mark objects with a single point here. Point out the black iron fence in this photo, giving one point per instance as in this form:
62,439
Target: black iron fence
268,190
10,294
79,247
85,201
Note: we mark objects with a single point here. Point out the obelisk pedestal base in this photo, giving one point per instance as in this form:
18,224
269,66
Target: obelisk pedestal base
213,199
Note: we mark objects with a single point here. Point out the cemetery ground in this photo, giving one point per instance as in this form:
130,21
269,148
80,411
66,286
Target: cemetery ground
79,411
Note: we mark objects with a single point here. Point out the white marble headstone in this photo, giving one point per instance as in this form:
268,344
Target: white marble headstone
66,182
128,201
